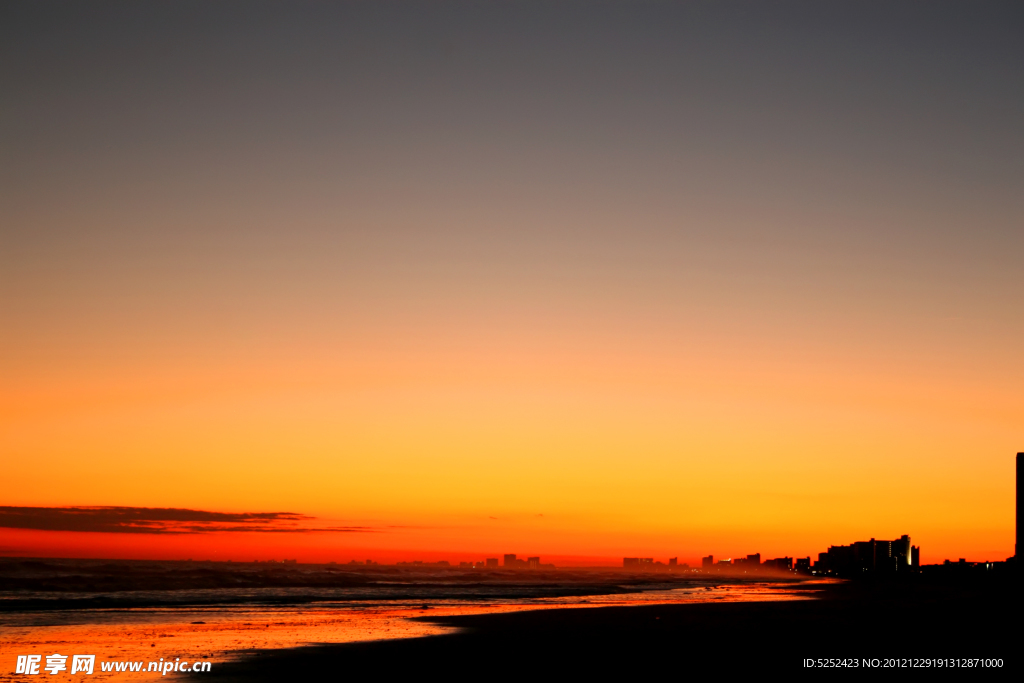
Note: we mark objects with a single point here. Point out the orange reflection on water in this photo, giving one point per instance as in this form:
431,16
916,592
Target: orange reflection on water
152,635
222,634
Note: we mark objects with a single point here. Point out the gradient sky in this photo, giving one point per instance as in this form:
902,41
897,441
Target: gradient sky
583,279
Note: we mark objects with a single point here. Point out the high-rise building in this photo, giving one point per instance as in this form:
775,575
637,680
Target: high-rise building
533,562
510,560
749,561
492,563
1016,494
868,556
901,551
782,563
707,562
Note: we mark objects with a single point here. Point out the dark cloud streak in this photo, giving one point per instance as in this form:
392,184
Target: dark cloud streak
135,520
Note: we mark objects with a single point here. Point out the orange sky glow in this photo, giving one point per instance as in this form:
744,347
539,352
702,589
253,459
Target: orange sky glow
594,300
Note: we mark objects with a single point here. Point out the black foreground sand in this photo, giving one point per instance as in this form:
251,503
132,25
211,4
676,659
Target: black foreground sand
853,621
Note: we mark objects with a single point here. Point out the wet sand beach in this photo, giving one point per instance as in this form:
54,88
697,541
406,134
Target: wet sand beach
890,625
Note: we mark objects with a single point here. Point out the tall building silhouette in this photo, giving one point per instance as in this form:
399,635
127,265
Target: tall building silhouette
1016,496
870,556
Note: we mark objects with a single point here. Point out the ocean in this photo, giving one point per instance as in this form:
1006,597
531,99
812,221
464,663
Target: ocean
159,614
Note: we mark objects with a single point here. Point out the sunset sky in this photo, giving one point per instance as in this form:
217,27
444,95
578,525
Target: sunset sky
571,279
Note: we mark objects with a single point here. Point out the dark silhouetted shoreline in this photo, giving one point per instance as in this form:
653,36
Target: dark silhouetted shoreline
862,620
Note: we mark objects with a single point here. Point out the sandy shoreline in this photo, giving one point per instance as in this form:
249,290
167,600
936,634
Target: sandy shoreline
228,632
884,622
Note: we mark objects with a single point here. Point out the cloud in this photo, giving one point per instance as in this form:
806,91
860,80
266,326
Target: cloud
132,520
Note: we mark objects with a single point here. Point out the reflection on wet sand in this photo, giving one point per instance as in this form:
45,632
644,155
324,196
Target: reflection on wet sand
219,634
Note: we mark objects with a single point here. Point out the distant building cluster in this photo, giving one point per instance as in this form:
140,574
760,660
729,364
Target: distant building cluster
750,564
869,556
489,563
510,562
841,560
644,563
